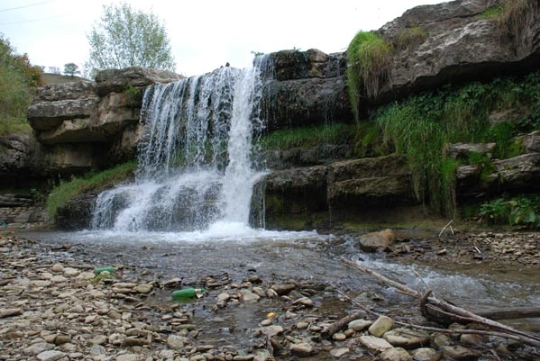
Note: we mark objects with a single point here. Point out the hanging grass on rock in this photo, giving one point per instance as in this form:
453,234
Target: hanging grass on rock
368,62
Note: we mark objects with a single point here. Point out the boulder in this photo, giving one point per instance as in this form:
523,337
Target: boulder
377,241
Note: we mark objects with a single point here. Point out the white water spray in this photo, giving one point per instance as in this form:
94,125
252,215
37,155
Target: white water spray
195,166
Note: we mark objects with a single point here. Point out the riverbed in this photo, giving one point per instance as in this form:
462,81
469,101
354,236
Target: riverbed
225,260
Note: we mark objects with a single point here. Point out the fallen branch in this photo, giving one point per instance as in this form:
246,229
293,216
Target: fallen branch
341,323
438,310
434,329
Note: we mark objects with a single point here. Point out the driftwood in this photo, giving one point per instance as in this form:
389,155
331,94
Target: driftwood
341,323
510,313
442,311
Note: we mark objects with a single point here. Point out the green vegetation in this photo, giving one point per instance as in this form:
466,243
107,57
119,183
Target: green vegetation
91,181
368,62
18,78
411,37
510,15
49,78
126,37
522,211
306,137
365,137
421,126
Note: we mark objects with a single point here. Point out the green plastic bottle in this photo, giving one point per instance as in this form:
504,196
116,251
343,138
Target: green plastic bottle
109,269
188,293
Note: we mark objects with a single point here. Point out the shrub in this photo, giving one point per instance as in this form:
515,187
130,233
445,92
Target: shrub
521,211
18,78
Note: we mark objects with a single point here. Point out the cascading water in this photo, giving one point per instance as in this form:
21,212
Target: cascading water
195,166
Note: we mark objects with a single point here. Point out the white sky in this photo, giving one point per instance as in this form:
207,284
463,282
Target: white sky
203,34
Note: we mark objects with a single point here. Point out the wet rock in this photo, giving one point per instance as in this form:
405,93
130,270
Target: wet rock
471,339
338,336
440,340
374,343
144,288
272,330
381,325
395,354
302,349
249,296
377,241
339,352
282,289
304,301
176,342
460,353
407,338
425,354
359,325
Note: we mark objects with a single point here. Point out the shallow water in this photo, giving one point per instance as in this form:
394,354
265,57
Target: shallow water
240,251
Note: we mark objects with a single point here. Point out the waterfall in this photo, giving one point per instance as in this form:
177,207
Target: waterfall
195,168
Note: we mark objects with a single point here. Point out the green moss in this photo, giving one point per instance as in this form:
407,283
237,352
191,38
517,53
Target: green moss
91,182
368,62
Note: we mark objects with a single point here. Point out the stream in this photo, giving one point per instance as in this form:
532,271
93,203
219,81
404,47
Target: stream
240,252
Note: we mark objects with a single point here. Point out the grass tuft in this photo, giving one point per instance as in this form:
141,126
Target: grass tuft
368,63
91,182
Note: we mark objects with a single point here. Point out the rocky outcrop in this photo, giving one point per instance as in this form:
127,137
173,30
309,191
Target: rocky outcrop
354,186
99,117
460,43
305,88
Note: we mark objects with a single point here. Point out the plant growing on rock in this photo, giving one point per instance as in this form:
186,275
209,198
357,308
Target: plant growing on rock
410,37
510,15
368,64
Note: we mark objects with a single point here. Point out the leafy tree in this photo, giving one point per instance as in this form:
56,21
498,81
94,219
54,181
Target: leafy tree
127,37
17,79
71,69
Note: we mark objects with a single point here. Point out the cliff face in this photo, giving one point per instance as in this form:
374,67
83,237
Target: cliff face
82,125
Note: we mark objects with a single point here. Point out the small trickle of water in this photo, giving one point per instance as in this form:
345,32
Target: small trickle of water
195,165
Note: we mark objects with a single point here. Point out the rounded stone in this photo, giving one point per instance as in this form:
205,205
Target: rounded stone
381,325
395,354
425,354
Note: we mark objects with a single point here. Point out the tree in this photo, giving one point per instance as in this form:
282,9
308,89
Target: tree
71,69
126,37
18,78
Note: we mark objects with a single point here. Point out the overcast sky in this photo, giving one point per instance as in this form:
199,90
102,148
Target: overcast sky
203,34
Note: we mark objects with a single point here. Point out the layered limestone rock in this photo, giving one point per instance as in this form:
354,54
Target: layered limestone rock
103,115
460,43
306,88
